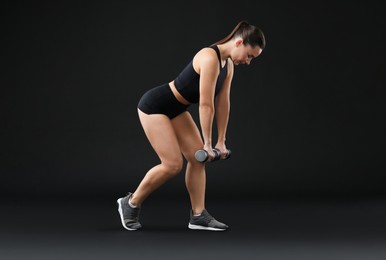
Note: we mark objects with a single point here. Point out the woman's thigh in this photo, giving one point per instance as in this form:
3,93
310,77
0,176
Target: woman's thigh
188,135
162,137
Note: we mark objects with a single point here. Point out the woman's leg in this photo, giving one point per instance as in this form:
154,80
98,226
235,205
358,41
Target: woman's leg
190,141
161,134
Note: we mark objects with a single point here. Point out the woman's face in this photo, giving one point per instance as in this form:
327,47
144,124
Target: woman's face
243,54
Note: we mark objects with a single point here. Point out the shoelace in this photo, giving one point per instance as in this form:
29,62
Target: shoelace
207,217
133,213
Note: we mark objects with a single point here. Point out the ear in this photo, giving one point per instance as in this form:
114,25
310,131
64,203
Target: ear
239,42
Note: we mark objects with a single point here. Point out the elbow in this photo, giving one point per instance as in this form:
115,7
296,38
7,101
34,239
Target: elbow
206,110
206,107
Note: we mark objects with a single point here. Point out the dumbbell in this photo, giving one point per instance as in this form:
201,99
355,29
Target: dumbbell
202,155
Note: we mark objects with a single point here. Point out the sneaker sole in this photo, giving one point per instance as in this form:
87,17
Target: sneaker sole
197,227
121,215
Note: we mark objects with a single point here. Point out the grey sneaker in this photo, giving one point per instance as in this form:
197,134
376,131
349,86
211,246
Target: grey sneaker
205,222
129,216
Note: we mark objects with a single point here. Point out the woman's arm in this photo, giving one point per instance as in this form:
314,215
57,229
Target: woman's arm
208,68
223,109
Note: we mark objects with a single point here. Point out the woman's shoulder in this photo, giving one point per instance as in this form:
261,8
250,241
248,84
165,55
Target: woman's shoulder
206,54
207,51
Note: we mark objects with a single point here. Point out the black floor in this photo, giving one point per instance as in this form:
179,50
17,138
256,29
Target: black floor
279,228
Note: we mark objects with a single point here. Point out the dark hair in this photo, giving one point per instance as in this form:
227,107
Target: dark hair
251,35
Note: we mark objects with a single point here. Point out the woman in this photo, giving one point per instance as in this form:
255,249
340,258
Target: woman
172,132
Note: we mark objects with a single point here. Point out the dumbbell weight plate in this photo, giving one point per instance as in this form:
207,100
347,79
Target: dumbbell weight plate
201,155
217,154
229,154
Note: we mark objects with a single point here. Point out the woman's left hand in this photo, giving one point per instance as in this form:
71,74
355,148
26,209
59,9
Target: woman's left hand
223,149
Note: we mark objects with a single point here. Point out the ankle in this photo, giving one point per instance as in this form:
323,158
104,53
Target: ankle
131,204
197,212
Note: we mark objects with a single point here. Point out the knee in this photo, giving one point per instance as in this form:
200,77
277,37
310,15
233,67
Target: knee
195,165
174,167
191,159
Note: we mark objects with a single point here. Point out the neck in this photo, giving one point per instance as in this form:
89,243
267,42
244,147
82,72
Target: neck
225,49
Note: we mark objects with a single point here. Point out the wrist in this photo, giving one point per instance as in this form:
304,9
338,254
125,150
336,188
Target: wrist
221,140
207,145
207,141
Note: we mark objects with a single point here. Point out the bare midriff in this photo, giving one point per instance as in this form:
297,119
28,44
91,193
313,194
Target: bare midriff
177,94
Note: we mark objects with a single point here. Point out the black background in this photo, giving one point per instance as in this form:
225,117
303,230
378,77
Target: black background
307,130
308,116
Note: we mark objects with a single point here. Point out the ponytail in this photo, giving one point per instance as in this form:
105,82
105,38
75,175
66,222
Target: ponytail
251,35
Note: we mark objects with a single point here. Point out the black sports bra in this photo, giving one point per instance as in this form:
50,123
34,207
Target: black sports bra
188,81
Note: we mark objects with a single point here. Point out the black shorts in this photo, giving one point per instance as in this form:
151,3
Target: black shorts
161,100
